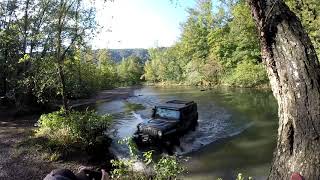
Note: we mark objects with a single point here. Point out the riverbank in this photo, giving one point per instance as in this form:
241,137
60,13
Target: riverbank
18,161
204,87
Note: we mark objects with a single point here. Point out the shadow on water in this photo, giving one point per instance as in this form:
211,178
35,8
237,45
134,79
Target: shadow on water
236,130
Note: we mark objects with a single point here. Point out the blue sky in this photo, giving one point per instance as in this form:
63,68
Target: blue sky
140,23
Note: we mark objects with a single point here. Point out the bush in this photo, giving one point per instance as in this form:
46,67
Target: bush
247,74
65,129
167,167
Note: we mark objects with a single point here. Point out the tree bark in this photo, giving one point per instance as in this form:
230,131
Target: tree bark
294,73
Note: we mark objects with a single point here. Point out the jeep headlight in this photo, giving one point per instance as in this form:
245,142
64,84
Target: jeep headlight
159,133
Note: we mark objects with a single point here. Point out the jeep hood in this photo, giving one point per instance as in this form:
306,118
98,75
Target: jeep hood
159,124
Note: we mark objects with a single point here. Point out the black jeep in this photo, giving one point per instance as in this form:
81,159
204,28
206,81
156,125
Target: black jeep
168,122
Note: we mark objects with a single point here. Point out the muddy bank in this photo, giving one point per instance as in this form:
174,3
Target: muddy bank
104,96
25,162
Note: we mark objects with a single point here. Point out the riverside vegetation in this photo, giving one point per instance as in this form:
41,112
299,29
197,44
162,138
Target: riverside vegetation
63,132
45,56
220,45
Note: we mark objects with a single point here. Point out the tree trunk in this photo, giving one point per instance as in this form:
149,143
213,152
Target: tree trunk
5,73
4,82
60,57
63,88
294,73
25,26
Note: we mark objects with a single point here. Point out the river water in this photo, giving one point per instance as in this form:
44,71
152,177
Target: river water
236,131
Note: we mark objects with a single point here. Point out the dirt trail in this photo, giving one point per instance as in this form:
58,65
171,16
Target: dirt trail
18,163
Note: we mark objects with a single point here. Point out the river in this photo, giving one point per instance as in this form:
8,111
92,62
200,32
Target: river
236,131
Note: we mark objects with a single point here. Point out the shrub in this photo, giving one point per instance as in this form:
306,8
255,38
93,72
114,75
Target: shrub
123,169
167,167
247,74
65,129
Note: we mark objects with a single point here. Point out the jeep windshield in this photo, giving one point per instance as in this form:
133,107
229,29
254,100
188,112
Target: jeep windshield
167,113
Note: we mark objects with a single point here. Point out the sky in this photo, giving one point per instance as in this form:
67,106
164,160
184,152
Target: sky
140,23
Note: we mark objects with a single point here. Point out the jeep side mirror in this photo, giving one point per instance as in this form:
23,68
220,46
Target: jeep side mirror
153,112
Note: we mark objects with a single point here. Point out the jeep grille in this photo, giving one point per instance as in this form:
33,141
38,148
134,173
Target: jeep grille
149,131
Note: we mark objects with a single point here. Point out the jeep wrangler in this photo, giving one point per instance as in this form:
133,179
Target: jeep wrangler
168,121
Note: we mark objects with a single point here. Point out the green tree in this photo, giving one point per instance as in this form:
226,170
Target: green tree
9,46
308,11
107,68
69,32
196,29
130,70
211,48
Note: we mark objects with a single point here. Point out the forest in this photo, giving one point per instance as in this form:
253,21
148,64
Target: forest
219,45
45,51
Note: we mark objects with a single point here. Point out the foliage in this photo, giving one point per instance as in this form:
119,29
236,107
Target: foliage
42,79
133,150
117,55
123,170
44,53
221,47
65,129
130,70
211,48
165,168
87,72
163,65
309,13
247,74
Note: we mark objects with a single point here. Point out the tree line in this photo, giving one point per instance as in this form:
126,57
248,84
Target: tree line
220,45
45,54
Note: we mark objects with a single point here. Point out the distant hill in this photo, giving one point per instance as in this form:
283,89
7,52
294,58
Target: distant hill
118,54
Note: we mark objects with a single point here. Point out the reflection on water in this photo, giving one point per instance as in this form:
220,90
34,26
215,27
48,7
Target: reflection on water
236,131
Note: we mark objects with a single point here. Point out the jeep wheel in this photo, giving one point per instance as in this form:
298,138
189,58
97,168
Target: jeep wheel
193,127
177,141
